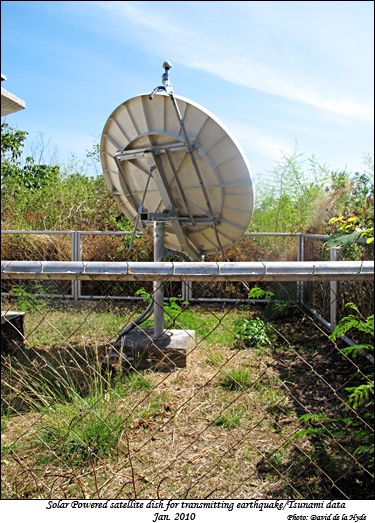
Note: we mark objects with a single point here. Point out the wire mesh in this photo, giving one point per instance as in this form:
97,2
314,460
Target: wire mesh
261,404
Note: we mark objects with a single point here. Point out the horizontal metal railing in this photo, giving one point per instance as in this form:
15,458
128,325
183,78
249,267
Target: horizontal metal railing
187,292
192,271
190,294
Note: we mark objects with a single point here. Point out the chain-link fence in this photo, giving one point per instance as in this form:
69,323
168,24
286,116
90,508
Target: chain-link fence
237,400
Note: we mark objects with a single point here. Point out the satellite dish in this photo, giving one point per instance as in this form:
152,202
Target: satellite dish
166,158
172,166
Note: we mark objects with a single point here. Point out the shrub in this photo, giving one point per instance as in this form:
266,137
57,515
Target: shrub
353,431
253,333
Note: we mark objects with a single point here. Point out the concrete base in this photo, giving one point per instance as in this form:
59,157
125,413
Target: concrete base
12,331
164,354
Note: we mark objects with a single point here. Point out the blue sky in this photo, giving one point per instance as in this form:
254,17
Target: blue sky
276,73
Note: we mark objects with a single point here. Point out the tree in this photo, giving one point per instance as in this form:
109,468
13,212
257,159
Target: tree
16,174
12,141
291,203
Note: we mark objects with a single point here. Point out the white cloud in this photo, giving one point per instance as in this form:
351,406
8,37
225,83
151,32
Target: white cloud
220,56
256,76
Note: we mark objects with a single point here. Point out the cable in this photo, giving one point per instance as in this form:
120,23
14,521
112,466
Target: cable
130,326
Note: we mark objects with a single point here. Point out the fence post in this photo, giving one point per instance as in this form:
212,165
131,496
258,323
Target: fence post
333,289
79,257
187,290
300,257
73,258
76,256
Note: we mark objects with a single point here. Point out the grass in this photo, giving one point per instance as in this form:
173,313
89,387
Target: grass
80,431
136,382
153,408
40,378
214,358
4,419
151,434
236,379
229,420
214,328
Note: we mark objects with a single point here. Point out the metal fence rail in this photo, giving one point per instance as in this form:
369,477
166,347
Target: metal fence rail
187,292
192,271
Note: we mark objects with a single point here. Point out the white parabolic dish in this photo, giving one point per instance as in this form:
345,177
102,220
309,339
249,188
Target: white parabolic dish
141,123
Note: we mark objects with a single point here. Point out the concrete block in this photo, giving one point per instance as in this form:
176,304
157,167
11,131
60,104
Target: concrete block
164,354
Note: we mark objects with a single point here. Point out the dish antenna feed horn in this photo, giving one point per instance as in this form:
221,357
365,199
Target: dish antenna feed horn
176,172
167,86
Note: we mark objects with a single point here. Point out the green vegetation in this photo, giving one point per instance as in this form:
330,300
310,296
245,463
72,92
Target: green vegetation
214,358
302,196
357,322
353,432
64,418
4,419
42,196
355,213
173,309
253,333
236,379
290,204
80,431
136,381
25,300
229,419
34,383
305,195
153,408
361,395
258,293
214,328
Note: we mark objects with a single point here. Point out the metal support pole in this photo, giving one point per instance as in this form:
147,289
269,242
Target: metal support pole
79,257
187,290
300,257
74,257
158,286
333,289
